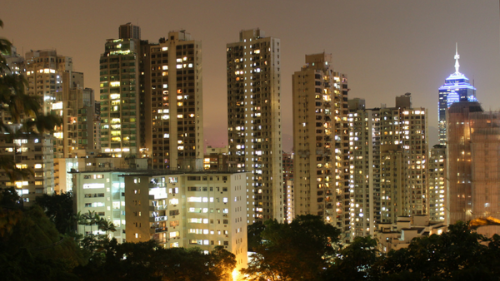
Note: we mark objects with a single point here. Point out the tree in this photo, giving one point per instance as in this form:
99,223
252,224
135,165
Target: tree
106,226
354,261
254,232
148,261
59,208
300,250
24,110
33,249
222,263
460,254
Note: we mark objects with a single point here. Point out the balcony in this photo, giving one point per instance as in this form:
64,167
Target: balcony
158,219
158,229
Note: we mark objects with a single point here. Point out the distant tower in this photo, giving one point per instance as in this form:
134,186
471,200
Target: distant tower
129,31
456,88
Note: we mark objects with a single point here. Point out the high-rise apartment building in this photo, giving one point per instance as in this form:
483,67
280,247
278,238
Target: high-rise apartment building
174,102
16,65
364,140
119,94
473,172
44,70
152,99
321,142
438,208
388,164
254,120
51,77
288,186
79,132
403,160
33,155
456,88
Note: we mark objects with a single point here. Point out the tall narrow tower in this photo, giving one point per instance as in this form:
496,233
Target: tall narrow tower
174,102
321,142
254,120
456,88
119,95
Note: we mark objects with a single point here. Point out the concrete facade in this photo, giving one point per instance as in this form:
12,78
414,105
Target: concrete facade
254,121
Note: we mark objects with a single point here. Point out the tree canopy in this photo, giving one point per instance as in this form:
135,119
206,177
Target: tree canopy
459,254
296,251
147,261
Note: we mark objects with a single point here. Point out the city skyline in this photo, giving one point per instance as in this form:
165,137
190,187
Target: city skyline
383,48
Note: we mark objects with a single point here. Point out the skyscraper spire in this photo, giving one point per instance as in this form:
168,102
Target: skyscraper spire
457,57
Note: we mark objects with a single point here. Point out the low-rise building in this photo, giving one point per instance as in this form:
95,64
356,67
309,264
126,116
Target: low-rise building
216,159
197,209
395,236
174,208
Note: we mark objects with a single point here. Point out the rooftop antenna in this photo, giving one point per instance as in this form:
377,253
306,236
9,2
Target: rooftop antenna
457,57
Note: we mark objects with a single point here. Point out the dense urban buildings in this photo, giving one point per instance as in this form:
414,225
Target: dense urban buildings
151,99
399,234
456,88
254,121
135,154
51,77
388,163
321,142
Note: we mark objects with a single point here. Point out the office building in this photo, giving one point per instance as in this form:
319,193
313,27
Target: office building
321,142
129,31
119,95
254,121
456,88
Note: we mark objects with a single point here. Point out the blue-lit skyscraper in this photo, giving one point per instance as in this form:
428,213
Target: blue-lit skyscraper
456,88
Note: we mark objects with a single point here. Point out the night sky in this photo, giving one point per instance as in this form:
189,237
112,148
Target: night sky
386,48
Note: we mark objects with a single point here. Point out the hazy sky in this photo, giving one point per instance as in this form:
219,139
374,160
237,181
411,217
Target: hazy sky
386,48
